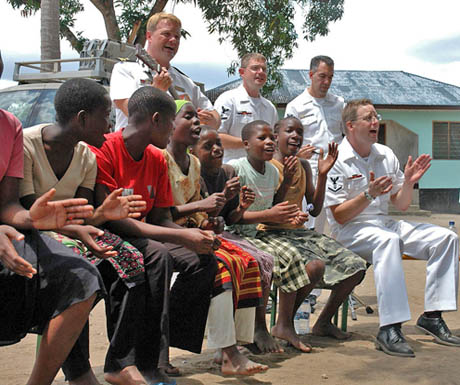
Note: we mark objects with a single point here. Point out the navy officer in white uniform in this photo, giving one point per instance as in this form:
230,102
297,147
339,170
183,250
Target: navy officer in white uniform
365,178
163,39
243,105
320,112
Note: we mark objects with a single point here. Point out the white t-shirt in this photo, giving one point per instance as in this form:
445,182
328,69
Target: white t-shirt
236,109
127,77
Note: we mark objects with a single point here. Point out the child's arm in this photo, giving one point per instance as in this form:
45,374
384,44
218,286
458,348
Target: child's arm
213,203
160,227
280,213
316,196
289,170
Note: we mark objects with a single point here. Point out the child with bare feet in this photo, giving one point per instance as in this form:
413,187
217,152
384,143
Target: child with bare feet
218,178
343,268
237,285
55,155
300,263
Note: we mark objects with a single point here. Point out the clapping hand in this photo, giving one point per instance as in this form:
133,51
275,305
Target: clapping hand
289,169
117,207
47,215
325,164
414,170
306,151
247,197
232,188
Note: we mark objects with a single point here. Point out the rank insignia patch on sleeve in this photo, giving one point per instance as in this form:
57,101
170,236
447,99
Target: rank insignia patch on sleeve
335,184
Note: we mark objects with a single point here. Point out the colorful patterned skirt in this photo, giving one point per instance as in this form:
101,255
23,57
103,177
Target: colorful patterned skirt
128,263
238,271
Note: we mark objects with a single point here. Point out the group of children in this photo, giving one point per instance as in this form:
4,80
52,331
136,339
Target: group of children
166,203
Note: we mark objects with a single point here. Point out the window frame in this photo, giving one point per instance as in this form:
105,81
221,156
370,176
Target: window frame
448,156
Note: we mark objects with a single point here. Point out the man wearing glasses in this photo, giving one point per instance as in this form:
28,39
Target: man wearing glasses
321,115
365,178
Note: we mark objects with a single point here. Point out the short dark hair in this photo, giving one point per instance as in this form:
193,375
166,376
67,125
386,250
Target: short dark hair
248,129
315,62
77,95
147,100
281,121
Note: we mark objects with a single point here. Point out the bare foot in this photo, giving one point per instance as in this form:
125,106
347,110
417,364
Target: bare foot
89,378
157,375
329,330
171,370
218,357
289,335
129,375
265,342
234,362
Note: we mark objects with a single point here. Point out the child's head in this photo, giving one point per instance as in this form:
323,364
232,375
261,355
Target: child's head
85,105
289,135
209,149
151,107
187,124
258,140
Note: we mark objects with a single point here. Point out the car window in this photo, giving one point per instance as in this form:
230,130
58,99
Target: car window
43,111
19,103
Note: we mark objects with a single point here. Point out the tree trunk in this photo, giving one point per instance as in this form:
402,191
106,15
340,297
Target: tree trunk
49,34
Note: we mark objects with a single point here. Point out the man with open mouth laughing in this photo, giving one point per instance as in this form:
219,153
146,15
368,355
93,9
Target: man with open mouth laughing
163,40
365,178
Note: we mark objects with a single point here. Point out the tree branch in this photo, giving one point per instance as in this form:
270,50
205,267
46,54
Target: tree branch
106,8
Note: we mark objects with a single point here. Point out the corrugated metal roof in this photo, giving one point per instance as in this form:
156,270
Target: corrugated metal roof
395,88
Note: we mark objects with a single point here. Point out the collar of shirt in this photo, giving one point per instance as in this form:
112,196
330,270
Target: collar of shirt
348,152
329,98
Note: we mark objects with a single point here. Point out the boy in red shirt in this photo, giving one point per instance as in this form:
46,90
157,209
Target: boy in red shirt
129,160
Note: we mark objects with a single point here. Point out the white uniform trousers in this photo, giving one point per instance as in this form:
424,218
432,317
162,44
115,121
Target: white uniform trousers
223,329
382,241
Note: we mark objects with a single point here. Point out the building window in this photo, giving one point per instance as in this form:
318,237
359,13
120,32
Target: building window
446,140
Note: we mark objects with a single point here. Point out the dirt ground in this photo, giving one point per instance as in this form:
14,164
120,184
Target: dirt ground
333,363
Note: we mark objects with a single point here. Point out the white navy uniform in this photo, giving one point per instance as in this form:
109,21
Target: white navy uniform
127,77
236,109
382,240
322,123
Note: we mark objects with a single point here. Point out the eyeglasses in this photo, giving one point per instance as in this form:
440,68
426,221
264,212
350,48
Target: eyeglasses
370,118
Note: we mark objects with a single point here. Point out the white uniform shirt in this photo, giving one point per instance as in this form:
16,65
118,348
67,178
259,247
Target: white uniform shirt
321,118
236,109
350,177
127,77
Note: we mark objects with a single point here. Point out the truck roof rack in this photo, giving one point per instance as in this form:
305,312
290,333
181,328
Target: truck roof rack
96,62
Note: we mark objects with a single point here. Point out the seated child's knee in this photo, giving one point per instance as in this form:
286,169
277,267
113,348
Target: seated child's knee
315,270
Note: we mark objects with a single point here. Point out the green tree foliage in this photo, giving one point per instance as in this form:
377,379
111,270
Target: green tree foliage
265,26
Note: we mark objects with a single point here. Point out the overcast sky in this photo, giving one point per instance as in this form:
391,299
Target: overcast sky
421,37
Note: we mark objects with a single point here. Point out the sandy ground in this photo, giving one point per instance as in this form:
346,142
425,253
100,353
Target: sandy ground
333,363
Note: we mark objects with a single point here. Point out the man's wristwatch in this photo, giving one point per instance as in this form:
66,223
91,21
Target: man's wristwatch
368,196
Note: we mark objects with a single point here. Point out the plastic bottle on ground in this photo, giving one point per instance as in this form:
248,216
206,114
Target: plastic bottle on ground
302,318
452,227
